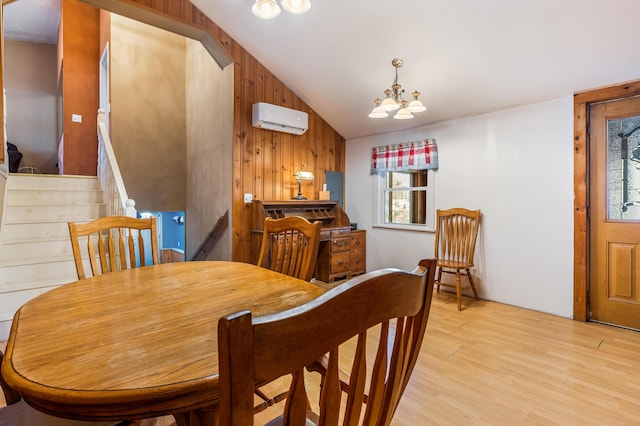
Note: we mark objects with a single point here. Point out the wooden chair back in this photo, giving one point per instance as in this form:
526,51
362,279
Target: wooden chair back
389,305
112,243
290,246
456,233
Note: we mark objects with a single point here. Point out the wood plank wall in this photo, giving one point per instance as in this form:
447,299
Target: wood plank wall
264,161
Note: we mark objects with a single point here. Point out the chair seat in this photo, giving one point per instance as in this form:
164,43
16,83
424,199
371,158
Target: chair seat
454,264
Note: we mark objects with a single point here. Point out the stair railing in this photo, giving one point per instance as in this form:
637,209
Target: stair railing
212,238
115,194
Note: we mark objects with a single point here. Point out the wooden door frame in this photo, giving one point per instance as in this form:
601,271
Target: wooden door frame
581,103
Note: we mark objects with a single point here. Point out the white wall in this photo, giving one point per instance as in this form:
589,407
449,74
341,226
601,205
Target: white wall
148,112
209,149
32,100
516,166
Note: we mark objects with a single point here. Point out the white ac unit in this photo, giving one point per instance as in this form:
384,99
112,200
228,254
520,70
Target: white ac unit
280,119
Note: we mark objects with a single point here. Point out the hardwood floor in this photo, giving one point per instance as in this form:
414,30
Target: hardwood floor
501,365
498,364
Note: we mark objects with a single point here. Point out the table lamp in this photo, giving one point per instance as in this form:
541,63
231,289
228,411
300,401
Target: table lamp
299,177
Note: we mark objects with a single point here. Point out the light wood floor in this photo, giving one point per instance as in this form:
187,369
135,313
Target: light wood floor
498,364
501,365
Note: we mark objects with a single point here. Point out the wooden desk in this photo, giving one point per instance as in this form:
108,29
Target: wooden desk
334,254
137,343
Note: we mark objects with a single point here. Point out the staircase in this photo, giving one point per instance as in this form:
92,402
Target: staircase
35,252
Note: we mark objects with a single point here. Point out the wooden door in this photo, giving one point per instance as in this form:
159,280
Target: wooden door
615,212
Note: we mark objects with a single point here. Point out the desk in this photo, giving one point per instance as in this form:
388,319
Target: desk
137,343
334,256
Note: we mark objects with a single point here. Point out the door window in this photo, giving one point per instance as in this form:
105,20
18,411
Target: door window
623,168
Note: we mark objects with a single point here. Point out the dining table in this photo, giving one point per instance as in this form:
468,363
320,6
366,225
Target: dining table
138,343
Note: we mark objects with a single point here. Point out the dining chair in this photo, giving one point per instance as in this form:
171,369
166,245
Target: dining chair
290,246
456,234
389,308
112,243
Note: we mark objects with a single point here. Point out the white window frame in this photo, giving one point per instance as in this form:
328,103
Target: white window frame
379,186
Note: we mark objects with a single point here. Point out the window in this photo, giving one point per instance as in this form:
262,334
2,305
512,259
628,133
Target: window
405,200
405,197
404,185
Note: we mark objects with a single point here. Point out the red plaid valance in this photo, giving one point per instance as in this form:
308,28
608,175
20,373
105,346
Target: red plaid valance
418,155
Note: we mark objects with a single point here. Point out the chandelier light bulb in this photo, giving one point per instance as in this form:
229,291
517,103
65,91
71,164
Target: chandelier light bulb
378,111
266,9
416,105
389,104
403,114
296,6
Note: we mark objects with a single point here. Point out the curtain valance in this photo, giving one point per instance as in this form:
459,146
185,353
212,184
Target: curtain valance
419,155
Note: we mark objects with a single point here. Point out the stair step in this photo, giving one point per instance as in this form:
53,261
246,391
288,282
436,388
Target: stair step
11,301
44,197
16,232
26,251
35,250
52,182
53,213
52,259
16,276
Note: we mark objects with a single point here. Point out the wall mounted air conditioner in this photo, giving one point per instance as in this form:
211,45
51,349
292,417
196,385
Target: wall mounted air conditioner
280,119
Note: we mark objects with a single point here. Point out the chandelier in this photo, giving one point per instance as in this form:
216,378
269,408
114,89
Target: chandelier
394,100
268,9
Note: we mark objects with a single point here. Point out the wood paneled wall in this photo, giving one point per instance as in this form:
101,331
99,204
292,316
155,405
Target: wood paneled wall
264,161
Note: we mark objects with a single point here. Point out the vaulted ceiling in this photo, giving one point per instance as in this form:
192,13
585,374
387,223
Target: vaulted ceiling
466,57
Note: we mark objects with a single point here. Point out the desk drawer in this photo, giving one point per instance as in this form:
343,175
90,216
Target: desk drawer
340,232
340,262
334,257
358,240
358,263
340,244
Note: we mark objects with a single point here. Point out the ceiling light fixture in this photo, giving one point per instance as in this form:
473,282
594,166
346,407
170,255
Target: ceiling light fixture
394,101
269,9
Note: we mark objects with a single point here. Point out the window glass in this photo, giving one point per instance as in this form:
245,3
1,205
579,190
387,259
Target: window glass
623,169
405,199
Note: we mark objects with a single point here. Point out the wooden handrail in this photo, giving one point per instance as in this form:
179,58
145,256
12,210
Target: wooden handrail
212,238
111,183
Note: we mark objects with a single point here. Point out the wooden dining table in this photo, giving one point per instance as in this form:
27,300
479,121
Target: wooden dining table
138,343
